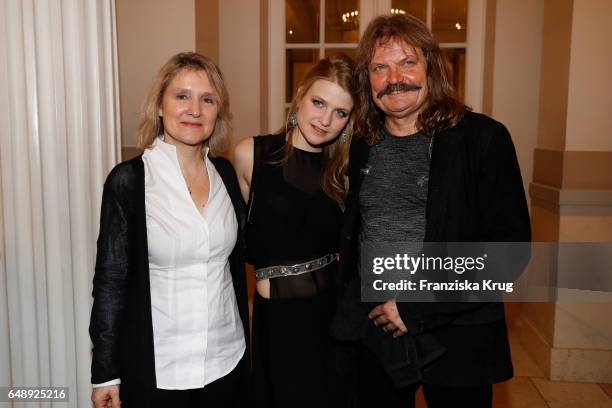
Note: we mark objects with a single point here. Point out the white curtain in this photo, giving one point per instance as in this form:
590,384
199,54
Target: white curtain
59,127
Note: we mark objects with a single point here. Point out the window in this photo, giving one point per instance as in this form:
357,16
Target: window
315,29
447,20
303,31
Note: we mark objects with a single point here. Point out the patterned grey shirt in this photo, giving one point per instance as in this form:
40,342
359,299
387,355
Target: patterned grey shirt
393,195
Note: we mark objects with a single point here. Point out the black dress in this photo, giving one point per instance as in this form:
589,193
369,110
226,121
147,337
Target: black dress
291,220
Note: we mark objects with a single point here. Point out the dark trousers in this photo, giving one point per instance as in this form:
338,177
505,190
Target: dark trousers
376,390
223,392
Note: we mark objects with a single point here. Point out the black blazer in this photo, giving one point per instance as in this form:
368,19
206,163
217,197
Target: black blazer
121,327
475,194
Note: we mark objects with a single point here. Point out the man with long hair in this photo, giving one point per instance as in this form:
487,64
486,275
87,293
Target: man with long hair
424,168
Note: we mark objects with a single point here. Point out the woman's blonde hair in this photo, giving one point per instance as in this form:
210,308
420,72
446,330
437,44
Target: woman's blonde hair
339,70
151,124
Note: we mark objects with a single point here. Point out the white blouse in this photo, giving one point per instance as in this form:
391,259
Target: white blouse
197,331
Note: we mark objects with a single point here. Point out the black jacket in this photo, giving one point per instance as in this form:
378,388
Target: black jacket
121,328
475,194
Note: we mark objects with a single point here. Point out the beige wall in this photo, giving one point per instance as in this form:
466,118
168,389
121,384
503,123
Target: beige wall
516,75
590,91
573,341
557,31
239,59
207,28
149,32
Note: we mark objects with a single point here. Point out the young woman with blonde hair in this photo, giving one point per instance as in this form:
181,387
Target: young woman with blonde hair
295,185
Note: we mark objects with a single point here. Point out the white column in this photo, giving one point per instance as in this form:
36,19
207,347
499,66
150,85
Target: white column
59,138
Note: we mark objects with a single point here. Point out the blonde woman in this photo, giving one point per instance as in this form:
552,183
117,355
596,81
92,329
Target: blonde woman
295,184
169,317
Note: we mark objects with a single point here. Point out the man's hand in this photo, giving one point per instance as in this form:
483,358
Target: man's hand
106,397
387,316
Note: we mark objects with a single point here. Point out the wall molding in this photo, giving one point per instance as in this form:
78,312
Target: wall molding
565,364
573,170
571,202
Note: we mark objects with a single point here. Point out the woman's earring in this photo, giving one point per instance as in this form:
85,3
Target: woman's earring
343,136
293,119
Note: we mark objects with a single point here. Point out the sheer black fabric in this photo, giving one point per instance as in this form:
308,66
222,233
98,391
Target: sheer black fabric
291,219
307,284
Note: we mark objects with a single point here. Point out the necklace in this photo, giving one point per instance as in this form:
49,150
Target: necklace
197,176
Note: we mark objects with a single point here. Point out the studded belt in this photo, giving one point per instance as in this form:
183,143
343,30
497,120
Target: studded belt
297,269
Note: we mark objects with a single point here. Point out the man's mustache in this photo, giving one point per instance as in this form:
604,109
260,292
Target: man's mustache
399,87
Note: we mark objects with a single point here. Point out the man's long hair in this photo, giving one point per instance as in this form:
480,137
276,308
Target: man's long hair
441,109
